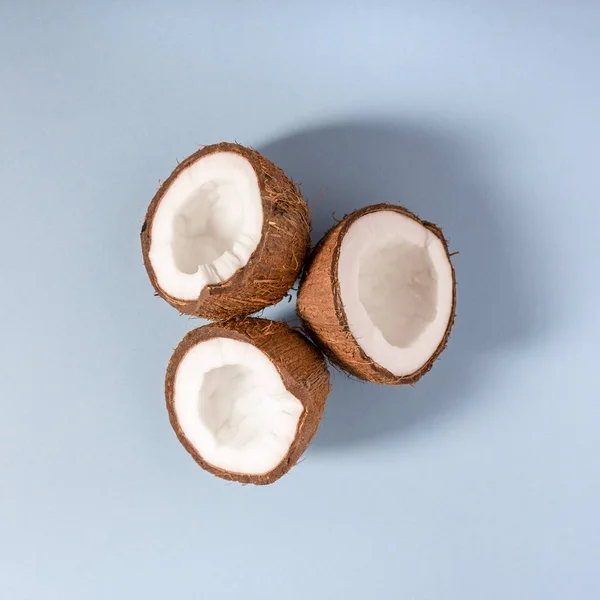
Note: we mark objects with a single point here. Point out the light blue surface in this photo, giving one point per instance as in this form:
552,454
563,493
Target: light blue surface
482,482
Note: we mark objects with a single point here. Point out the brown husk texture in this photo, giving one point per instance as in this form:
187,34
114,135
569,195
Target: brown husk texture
321,308
302,369
276,262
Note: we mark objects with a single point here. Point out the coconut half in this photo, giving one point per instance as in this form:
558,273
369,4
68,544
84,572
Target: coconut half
379,294
245,397
226,234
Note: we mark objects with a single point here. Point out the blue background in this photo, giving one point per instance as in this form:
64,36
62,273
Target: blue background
483,480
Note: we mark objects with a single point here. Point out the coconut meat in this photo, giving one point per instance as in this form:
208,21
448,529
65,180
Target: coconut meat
207,225
396,287
232,406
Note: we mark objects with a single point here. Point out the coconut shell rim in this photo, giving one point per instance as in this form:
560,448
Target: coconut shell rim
184,305
340,229
202,334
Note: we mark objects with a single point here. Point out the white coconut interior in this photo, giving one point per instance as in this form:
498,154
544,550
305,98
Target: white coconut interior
233,407
207,225
396,287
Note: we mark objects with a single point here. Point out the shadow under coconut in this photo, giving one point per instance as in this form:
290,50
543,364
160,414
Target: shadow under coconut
437,175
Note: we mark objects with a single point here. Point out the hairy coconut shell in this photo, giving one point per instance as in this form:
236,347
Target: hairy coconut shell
321,308
302,369
276,262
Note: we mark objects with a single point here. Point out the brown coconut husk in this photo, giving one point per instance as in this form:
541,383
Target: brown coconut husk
275,263
302,369
321,308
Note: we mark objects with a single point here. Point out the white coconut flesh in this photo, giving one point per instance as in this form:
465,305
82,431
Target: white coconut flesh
233,407
396,287
207,225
